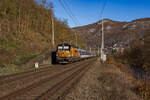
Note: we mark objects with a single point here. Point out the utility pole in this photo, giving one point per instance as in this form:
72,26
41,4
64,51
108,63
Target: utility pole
98,50
90,50
76,38
52,21
53,32
103,56
102,45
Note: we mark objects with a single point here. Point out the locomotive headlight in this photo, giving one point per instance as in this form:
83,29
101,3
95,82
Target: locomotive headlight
69,55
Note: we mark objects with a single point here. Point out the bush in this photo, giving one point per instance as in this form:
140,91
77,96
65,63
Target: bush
143,90
5,57
110,60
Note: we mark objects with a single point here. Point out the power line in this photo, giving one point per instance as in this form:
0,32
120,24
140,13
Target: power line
71,12
68,12
103,8
71,15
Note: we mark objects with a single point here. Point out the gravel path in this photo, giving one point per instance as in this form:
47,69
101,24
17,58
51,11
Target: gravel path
104,82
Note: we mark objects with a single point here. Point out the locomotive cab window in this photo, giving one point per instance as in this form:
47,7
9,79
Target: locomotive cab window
66,47
60,48
63,47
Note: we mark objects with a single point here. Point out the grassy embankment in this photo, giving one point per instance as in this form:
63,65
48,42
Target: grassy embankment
137,55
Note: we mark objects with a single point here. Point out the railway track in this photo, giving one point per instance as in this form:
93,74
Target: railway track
17,81
59,90
13,77
47,84
8,84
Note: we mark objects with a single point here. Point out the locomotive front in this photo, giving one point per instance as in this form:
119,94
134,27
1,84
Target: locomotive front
63,53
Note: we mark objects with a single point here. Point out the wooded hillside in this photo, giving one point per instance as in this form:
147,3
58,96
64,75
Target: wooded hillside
25,30
138,54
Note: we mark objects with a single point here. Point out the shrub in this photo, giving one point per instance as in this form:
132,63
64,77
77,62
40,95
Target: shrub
110,60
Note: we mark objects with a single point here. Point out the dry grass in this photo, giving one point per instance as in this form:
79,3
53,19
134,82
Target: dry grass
10,69
143,89
104,82
140,88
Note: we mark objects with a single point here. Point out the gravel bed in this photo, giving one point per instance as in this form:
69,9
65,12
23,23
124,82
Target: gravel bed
104,82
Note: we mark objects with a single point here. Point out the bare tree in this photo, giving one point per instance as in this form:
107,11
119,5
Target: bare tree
0,27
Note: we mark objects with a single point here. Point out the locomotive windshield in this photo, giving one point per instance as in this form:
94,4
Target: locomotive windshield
62,47
66,47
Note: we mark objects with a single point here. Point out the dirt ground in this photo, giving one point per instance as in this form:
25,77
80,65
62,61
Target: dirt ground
104,82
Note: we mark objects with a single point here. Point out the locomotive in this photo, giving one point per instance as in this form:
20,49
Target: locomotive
67,53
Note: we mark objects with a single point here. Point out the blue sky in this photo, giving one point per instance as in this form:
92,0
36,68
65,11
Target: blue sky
88,11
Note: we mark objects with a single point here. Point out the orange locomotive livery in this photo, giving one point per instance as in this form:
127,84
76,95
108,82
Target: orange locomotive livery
67,53
70,53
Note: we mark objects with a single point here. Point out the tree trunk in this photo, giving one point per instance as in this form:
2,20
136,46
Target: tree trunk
8,26
0,27
19,24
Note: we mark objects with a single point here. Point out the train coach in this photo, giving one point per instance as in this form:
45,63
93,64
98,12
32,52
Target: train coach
67,53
